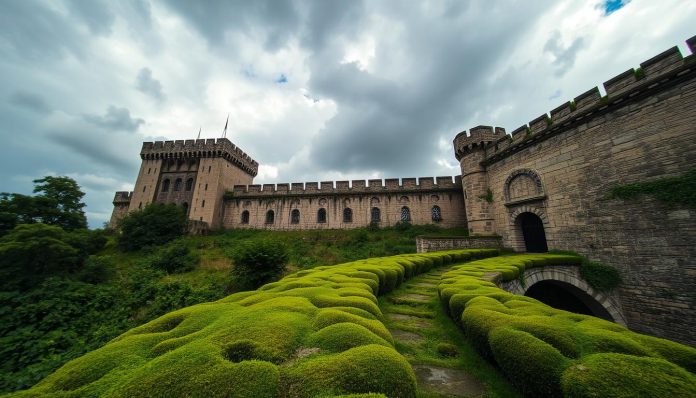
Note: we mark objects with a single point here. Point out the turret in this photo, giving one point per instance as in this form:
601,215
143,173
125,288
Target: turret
469,151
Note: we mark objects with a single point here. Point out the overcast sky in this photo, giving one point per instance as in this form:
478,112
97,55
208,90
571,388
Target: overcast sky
322,90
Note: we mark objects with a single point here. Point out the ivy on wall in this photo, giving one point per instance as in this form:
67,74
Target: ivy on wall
672,191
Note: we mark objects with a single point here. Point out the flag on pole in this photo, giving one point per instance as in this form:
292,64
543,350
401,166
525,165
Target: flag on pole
224,132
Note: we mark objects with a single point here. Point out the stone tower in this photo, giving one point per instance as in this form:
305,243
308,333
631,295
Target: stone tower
469,150
192,173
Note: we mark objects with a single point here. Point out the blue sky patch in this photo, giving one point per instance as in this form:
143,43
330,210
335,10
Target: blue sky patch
611,6
282,79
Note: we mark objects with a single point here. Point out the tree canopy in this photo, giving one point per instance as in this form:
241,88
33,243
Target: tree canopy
154,225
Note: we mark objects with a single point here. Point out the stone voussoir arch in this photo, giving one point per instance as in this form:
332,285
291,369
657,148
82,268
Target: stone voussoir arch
535,209
571,276
527,172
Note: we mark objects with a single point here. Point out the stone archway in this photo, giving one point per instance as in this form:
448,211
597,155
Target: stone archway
532,229
575,290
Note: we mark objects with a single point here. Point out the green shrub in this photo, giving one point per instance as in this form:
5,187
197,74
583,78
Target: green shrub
532,366
97,269
599,276
678,190
619,375
259,261
174,258
343,336
447,350
154,225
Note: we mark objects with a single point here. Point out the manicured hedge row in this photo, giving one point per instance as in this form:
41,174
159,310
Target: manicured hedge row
318,332
547,352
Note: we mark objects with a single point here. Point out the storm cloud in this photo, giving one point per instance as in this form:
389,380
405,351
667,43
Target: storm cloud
315,90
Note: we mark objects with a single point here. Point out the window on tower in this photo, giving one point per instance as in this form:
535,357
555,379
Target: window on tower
321,215
177,184
295,217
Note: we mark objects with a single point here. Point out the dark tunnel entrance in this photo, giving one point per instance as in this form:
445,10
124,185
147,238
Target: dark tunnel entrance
564,296
533,233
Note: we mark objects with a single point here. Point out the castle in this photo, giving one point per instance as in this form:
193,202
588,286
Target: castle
543,186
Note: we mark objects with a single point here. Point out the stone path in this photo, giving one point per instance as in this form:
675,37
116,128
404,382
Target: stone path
413,315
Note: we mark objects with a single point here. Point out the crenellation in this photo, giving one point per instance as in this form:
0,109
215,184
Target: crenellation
587,99
408,182
662,63
296,187
561,112
375,184
358,185
283,189
327,185
539,124
255,188
311,187
268,188
391,183
520,132
239,189
122,197
692,45
426,182
342,186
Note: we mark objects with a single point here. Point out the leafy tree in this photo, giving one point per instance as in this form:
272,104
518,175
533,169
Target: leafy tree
174,258
154,225
32,251
259,261
58,201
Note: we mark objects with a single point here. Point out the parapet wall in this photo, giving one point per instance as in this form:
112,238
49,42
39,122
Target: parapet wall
389,185
201,148
665,69
122,197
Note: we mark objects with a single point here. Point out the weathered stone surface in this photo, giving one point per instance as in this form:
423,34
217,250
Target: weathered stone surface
448,381
410,320
406,337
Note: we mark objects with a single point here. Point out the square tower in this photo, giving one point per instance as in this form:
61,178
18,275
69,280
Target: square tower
192,173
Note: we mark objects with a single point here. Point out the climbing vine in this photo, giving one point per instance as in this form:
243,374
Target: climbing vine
672,191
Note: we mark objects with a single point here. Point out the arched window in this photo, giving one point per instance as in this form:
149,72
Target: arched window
165,185
321,215
189,184
375,214
405,214
437,214
177,184
270,217
185,206
347,215
295,217
245,217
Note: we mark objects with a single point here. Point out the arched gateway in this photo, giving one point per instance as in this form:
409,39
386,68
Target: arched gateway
533,232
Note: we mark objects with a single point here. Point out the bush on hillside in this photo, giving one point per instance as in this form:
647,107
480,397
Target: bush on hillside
257,262
174,258
154,225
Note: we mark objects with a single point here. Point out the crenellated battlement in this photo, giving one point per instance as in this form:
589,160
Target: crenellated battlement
122,197
201,148
389,185
477,137
653,75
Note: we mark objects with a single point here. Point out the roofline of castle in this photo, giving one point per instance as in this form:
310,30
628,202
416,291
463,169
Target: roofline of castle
660,72
200,148
354,187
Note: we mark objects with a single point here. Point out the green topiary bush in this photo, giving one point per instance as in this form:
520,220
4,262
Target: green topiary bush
618,375
447,350
259,261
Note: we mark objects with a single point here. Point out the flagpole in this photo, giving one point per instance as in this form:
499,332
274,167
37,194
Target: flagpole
224,132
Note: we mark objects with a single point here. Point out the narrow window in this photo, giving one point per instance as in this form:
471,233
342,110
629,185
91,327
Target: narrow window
437,214
140,206
405,214
200,218
148,170
209,167
295,217
177,184
206,187
245,217
321,215
165,185
347,215
144,188
203,204
270,217
185,206
189,184
375,214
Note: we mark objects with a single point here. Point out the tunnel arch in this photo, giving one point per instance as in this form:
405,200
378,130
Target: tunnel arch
605,305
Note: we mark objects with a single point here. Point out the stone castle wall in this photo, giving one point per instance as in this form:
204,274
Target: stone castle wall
419,197
562,166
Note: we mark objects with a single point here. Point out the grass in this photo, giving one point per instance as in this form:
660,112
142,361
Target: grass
444,345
